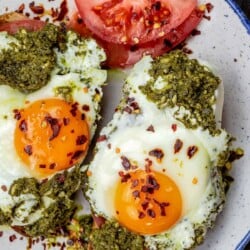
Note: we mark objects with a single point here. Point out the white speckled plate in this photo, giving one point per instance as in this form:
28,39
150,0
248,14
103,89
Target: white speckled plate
224,43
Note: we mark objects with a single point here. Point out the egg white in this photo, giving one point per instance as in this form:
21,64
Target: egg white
129,132
78,68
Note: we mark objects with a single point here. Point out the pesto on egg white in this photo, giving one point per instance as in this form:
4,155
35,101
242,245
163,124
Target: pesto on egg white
28,63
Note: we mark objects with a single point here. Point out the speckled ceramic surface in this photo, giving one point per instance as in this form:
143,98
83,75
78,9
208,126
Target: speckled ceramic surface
225,44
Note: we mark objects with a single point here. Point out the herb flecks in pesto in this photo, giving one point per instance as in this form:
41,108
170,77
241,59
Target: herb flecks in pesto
112,236
179,81
27,64
59,190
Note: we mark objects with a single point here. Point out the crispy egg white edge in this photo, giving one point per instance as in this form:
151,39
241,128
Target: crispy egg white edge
78,66
181,235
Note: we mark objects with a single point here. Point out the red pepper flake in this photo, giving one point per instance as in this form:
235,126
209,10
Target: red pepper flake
66,121
174,127
145,205
69,154
17,114
101,138
195,32
42,166
12,238
127,109
1,233
124,177
21,8
52,166
37,9
135,183
4,188
55,126
125,163
23,126
81,139
109,146
209,7
152,182
77,154
178,146
83,117
85,108
60,178
207,17
74,108
157,153
162,206
72,131
148,165
151,213
28,149
151,128
187,50
62,11
141,215
136,194
191,151
135,106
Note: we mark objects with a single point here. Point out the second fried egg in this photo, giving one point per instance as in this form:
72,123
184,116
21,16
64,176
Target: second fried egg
154,171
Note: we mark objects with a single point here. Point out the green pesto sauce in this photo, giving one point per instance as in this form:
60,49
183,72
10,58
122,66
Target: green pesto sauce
27,64
111,236
60,188
65,92
186,84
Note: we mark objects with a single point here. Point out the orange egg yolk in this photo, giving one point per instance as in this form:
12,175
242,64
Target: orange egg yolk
51,135
147,203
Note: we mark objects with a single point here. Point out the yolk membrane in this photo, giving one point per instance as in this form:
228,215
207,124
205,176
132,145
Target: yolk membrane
51,135
147,203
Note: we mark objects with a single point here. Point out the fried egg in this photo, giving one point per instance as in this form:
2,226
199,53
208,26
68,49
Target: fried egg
48,131
154,174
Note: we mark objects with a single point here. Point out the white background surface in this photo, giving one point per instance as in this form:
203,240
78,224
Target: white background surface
225,44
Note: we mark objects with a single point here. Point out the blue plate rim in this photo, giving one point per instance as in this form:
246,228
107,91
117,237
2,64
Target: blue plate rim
244,19
243,243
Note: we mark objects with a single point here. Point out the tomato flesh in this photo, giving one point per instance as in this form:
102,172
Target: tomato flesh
133,22
119,55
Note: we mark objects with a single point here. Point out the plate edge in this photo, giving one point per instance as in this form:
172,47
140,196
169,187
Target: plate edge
244,19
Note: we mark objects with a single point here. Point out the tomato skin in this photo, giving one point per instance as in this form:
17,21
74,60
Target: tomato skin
133,22
28,24
119,55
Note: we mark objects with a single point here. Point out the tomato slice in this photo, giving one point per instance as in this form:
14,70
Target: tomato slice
133,21
119,55
28,24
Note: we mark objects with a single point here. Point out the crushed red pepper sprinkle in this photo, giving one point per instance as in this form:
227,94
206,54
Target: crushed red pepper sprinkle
37,9
81,139
191,151
174,127
125,163
178,146
101,138
4,188
141,215
12,238
28,149
23,126
54,125
151,128
157,153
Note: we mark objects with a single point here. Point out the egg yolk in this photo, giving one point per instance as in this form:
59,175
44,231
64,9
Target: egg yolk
147,203
51,135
